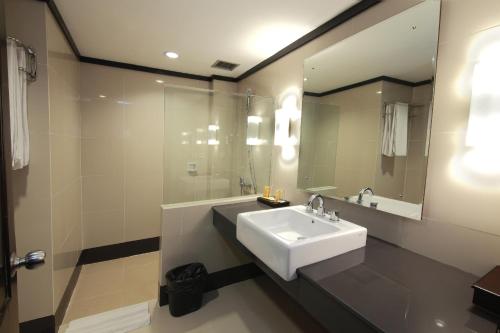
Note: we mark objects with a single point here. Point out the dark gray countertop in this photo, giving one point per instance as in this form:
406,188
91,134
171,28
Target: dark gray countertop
392,289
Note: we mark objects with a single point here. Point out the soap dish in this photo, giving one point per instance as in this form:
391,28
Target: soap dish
273,203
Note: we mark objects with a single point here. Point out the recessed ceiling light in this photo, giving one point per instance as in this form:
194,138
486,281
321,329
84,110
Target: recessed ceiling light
102,96
379,92
160,81
305,79
171,55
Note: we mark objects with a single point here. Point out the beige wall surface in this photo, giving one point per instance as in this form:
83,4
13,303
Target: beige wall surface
359,137
318,145
417,159
31,185
65,157
47,194
454,209
122,153
188,235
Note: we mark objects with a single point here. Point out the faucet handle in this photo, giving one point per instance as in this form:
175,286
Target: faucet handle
309,208
334,216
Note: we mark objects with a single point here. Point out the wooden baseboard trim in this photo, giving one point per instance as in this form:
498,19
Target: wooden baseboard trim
120,250
40,325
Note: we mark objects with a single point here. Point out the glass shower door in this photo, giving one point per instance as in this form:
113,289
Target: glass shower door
206,151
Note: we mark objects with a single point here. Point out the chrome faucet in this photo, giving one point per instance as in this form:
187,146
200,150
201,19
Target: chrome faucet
362,192
321,208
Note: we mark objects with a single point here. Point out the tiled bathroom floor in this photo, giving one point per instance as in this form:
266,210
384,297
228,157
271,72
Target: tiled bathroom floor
113,284
251,306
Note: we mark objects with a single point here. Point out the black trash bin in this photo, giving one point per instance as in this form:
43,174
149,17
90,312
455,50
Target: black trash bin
185,286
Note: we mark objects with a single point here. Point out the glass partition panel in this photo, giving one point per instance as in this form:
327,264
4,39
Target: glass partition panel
217,145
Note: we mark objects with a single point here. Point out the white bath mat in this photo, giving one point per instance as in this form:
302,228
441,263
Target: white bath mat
120,320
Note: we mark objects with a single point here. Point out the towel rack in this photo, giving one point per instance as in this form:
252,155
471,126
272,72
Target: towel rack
409,105
31,60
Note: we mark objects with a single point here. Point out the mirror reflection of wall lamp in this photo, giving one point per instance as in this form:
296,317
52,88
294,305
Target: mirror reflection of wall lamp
285,118
253,131
212,135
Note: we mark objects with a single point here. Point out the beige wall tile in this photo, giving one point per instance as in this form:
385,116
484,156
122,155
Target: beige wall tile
103,228
102,118
103,156
101,80
65,161
478,17
451,101
66,213
142,207
103,193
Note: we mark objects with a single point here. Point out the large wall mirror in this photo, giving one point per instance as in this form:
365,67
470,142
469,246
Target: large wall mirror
366,114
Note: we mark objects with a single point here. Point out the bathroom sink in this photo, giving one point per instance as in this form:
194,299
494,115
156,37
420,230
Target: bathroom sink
286,239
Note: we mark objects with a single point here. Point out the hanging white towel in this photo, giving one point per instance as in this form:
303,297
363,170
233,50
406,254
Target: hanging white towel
395,135
16,60
400,125
388,134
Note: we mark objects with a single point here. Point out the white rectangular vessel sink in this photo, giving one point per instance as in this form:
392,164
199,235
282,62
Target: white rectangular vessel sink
288,238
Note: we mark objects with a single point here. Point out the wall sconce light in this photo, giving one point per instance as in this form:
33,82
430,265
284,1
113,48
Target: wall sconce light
483,129
477,161
212,135
253,131
284,119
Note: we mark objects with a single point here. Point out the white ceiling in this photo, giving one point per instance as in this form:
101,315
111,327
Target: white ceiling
391,48
243,32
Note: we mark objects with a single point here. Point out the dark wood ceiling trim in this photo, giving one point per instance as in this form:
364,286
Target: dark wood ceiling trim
140,68
319,31
422,83
312,94
154,70
62,25
369,81
224,78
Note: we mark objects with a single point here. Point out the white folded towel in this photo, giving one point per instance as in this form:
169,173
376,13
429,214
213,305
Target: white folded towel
19,134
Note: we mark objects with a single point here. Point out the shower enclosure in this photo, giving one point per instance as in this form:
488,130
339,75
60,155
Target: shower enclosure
217,144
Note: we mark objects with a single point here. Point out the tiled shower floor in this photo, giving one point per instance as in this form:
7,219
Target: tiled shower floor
113,284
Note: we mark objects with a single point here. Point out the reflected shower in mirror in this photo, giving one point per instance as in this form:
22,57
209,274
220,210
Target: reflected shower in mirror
366,114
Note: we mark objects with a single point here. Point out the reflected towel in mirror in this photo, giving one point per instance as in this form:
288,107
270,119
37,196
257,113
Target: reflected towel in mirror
395,135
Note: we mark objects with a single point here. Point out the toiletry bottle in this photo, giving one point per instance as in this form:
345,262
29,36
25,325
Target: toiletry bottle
277,195
267,191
